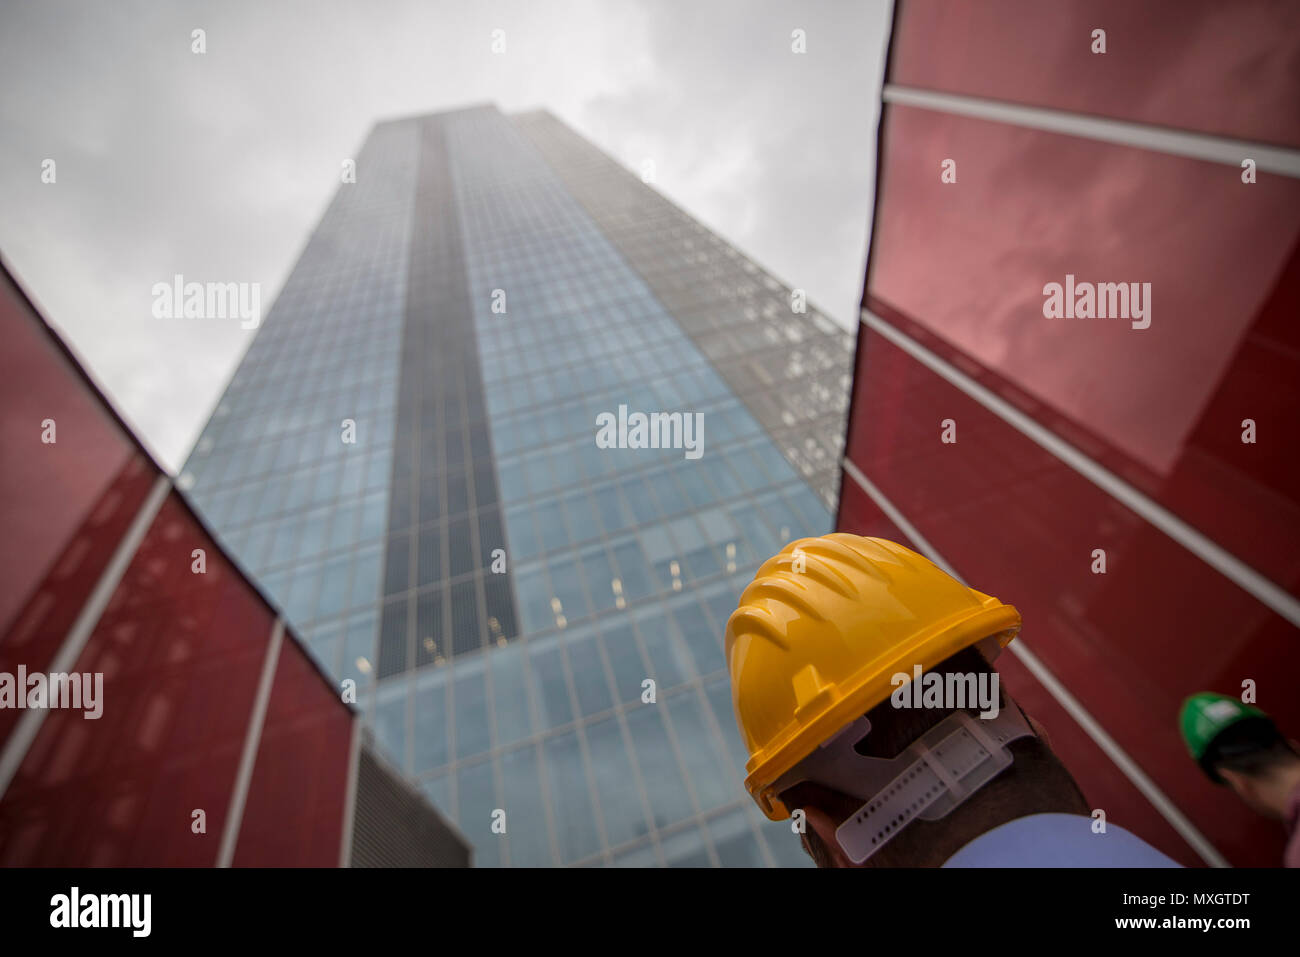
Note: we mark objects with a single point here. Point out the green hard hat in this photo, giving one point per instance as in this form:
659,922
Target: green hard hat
1207,715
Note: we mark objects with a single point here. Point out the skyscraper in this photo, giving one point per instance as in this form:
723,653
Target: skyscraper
407,460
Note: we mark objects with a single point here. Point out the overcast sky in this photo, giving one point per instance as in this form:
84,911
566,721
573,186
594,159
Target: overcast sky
217,166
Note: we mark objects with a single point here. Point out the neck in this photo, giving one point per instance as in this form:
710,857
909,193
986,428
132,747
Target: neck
1038,786
1280,787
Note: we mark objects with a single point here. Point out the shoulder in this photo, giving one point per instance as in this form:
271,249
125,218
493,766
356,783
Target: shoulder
1058,840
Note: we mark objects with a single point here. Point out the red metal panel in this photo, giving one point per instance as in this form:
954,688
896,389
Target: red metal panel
294,812
1162,406
961,269
63,506
1230,69
180,655
859,515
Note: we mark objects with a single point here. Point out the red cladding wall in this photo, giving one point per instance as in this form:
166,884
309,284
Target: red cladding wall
1231,69
181,653
63,505
295,804
1160,406
960,269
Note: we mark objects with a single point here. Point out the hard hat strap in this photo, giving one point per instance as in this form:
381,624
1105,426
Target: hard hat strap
936,773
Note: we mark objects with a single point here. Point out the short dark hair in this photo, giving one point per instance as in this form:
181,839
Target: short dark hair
1036,783
1252,746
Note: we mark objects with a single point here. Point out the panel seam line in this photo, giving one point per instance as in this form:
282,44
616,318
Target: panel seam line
252,740
1175,142
29,725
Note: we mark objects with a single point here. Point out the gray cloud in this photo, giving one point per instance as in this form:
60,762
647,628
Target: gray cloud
217,166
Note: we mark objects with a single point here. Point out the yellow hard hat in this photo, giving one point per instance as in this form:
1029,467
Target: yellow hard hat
821,630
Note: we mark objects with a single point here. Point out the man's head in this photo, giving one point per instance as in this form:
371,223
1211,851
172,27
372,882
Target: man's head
1035,783
1251,757
1238,745
824,632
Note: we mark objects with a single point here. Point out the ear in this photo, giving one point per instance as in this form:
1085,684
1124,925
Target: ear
1234,780
1037,728
1243,784
824,826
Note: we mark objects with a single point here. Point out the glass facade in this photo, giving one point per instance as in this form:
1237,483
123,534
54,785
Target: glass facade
787,363
535,622
301,509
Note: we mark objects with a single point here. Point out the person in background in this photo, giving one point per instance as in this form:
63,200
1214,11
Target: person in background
1239,746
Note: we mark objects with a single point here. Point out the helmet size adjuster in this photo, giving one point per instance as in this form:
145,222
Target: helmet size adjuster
936,773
